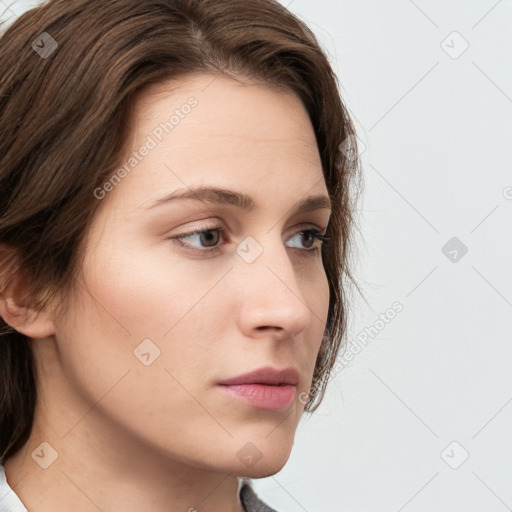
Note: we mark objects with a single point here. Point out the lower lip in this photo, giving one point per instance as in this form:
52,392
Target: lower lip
262,396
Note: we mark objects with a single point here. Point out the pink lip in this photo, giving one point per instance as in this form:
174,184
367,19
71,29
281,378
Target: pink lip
262,396
265,388
266,375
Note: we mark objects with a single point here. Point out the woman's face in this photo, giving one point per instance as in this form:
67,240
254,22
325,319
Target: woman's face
160,315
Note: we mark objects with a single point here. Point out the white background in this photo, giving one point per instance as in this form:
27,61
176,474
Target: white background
435,384
437,165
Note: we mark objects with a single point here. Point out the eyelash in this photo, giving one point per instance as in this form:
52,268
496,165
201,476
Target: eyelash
318,235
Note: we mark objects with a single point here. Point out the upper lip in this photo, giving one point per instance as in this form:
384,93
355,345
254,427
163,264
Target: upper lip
266,375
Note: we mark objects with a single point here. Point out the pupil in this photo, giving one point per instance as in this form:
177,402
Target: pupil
310,237
208,235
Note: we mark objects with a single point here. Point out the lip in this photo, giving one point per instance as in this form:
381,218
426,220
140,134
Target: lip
262,396
265,388
266,375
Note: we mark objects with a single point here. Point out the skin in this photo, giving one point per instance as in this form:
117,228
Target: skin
163,437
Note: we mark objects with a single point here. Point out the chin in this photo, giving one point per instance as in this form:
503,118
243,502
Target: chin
263,458
262,469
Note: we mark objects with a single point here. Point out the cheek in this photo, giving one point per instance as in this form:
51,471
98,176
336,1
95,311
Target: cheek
137,308
117,357
146,291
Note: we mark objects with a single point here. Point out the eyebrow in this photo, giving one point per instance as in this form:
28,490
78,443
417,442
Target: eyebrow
243,201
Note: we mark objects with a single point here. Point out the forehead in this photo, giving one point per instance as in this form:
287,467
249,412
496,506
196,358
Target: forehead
209,107
214,130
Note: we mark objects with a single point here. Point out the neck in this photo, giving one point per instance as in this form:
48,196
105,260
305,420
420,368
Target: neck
91,474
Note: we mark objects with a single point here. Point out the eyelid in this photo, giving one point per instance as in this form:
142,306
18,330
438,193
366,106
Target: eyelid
308,226
318,233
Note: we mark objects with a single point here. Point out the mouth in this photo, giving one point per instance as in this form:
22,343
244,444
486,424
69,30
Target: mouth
263,396
265,388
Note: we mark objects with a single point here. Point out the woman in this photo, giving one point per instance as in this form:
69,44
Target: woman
177,194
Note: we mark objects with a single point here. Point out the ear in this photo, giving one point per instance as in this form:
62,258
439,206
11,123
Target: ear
15,308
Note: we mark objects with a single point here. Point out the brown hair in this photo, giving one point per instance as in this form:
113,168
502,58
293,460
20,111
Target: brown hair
65,122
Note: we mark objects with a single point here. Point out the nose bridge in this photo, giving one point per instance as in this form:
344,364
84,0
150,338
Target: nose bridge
270,284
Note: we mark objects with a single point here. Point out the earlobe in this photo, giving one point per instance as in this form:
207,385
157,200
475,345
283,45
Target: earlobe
19,314
34,324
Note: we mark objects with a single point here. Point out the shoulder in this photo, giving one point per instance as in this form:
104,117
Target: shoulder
250,500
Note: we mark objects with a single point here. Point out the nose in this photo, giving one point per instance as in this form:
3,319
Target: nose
272,302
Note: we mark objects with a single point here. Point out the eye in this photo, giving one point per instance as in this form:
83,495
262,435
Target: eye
312,236
208,238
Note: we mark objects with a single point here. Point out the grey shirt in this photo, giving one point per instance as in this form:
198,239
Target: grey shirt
250,500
